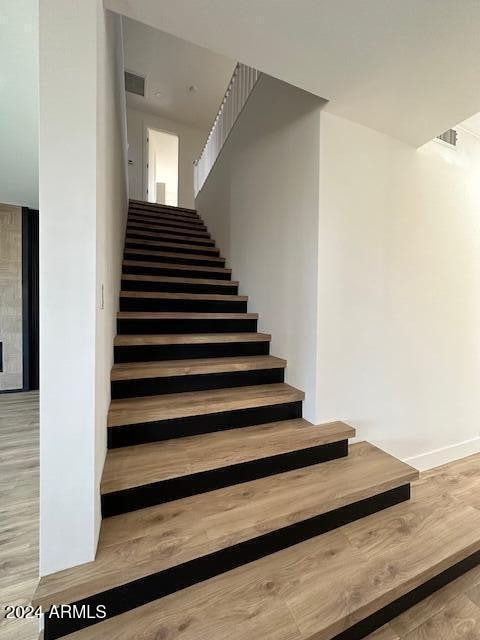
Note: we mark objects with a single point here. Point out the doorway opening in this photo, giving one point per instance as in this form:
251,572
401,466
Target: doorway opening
162,167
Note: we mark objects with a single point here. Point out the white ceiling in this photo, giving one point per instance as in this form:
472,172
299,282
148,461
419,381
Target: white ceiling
171,66
410,68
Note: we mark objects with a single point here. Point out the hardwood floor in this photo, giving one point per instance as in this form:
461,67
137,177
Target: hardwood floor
19,493
453,613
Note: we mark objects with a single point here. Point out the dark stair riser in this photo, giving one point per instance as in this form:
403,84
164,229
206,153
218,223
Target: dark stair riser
176,488
178,287
158,585
367,626
179,221
172,304
189,259
150,353
131,326
156,242
165,217
158,224
165,228
176,213
160,209
177,273
191,250
141,433
202,382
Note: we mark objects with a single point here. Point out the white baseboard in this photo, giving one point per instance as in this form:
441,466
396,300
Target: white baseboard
444,455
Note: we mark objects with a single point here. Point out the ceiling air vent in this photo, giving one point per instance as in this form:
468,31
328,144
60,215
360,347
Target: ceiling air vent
450,137
134,83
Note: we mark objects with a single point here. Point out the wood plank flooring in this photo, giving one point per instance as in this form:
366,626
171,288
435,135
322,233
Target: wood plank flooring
19,494
453,613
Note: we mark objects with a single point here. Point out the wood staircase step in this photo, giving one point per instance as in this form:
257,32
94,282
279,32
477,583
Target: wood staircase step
178,215
171,237
146,223
181,405
165,226
176,267
135,379
161,295
148,347
164,217
187,338
168,255
228,521
166,284
343,585
165,376
146,233
137,370
174,315
168,279
153,206
144,464
193,248
185,322
186,302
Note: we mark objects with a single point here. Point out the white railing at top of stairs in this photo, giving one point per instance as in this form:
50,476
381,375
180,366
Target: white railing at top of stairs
239,89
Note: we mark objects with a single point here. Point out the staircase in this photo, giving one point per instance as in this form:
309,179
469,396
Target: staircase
226,515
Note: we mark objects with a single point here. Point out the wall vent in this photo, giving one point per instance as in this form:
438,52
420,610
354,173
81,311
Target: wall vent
450,137
134,83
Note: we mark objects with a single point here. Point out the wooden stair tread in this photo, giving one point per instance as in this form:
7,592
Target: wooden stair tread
193,232
144,232
188,338
179,405
144,542
170,254
168,215
159,209
183,315
163,206
158,213
142,464
167,295
166,368
144,223
178,267
139,277
316,589
175,245
176,239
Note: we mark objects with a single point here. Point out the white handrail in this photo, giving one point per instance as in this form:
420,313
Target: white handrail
239,89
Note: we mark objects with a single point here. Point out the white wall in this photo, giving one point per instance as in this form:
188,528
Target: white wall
399,291
260,203
112,198
80,231
191,142
19,102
